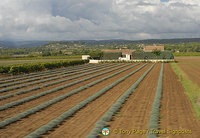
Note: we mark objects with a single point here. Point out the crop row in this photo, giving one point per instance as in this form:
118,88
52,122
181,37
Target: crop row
38,82
45,85
64,80
53,123
13,78
55,73
33,67
155,112
62,97
116,107
27,99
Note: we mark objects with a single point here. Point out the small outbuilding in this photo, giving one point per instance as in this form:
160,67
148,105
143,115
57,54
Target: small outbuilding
85,57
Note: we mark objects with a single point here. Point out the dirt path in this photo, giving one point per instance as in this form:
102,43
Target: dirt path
176,110
135,113
22,127
84,121
20,108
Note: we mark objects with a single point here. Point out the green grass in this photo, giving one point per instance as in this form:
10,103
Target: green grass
192,89
187,54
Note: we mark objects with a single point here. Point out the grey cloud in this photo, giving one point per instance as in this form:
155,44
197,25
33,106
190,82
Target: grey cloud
94,19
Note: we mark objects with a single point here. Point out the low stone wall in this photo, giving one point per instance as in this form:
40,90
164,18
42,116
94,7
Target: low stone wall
135,60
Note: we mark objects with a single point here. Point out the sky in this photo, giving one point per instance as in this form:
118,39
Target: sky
99,19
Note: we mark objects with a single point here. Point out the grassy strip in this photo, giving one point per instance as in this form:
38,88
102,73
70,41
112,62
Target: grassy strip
116,107
34,67
53,123
155,111
192,89
187,54
59,98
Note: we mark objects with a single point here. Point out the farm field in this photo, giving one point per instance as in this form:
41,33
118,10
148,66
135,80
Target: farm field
16,61
191,66
68,102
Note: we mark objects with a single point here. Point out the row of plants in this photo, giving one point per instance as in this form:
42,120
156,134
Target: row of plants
38,82
96,70
47,75
57,82
34,67
36,87
187,54
53,123
39,74
45,85
116,107
27,99
57,99
155,111
36,73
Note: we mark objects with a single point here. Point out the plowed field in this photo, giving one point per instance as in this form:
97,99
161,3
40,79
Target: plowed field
68,102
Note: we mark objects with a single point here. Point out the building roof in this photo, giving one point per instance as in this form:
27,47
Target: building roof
151,48
124,51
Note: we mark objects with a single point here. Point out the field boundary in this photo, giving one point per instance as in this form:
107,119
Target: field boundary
134,61
192,90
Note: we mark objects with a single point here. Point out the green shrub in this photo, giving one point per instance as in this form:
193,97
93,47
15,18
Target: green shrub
111,55
34,67
152,55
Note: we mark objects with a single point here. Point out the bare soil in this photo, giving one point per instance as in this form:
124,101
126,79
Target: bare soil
176,111
135,113
78,122
191,66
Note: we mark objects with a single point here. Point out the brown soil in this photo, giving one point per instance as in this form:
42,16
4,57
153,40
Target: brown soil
191,66
84,121
20,108
176,110
135,113
82,118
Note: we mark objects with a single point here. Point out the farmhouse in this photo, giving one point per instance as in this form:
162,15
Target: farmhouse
151,48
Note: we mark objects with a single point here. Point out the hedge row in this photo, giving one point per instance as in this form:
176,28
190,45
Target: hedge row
57,99
111,55
115,107
150,55
53,123
155,112
27,99
34,67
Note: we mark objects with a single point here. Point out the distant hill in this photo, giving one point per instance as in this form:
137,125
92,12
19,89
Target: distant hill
22,44
25,44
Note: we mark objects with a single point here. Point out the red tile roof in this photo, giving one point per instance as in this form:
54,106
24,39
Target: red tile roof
151,48
124,51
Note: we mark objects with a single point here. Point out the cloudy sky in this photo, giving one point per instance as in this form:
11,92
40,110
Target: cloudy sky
98,19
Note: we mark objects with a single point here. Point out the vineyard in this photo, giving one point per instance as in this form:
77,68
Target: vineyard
81,100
